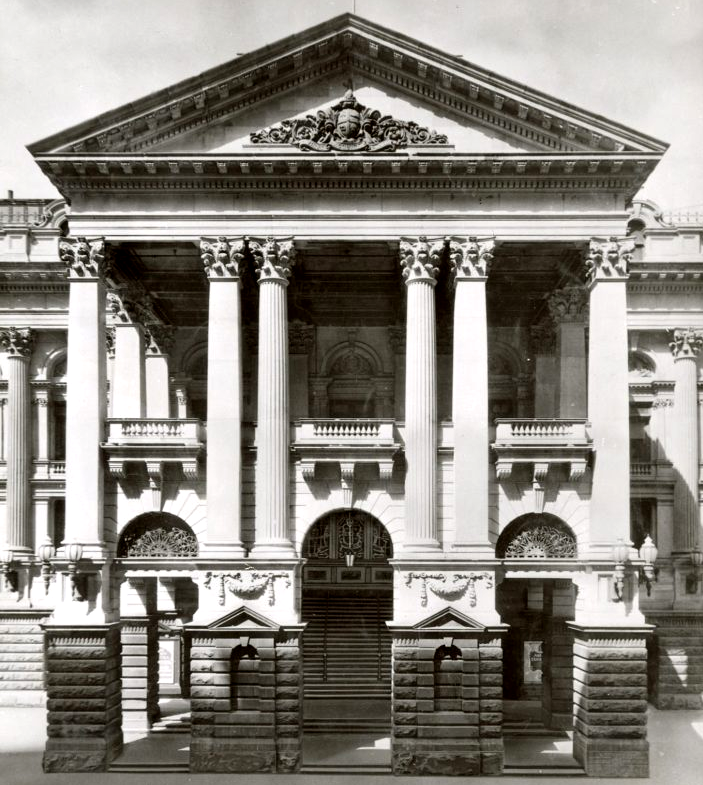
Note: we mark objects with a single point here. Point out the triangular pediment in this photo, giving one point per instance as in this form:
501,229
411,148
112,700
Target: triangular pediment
449,618
477,110
243,618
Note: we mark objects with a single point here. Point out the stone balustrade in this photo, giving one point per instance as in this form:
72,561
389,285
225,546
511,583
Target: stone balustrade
121,431
541,443
348,431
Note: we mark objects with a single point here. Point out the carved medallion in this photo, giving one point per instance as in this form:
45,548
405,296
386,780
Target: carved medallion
347,127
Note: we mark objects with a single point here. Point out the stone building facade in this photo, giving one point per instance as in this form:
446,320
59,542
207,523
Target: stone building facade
350,326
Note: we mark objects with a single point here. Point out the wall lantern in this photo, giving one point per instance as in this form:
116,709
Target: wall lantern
349,558
648,572
45,553
9,575
74,553
619,554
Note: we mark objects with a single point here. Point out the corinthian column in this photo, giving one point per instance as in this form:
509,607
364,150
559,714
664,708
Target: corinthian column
274,260
18,345
608,405
221,259
419,260
85,405
568,307
685,346
470,262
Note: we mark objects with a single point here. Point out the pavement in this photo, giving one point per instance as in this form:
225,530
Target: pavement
676,758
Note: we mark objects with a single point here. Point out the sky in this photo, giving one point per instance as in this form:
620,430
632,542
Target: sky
639,62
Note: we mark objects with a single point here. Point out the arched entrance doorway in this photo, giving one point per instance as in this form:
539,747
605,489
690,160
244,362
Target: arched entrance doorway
156,599
347,597
538,649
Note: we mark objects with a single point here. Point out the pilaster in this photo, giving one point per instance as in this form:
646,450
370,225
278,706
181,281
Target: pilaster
274,260
686,345
221,259
420,260
18,345
85,408
470,261
158,345
608,391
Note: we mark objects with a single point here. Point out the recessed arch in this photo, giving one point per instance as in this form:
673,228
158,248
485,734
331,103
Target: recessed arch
339,532
352,358
537,536
157,535
640,364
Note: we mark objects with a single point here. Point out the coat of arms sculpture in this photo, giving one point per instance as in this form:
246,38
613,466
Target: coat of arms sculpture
348,127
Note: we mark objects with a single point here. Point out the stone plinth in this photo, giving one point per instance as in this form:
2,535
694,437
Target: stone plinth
140,673
447,712
246,697
677,661
610,701
84,697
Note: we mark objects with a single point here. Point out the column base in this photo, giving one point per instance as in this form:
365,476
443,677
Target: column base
81,755
612,757
417,547
223,550
273,549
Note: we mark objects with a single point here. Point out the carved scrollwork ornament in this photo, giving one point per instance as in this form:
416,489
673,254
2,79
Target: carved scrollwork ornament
609,260
222,257
420,259
17,342
84,258
686,343
470,258
274,259
348,127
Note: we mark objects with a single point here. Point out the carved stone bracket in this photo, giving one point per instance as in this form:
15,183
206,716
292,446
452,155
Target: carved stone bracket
469,258
247,584
155,473
17,342
222,256
452,590
609,260
274,258
539,481
346,471
420,259
84,258
686,343
347,127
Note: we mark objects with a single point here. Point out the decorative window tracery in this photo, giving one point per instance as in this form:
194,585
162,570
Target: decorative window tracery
537,537
351,531
157,535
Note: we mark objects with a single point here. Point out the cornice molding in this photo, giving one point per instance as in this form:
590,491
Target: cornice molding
350,44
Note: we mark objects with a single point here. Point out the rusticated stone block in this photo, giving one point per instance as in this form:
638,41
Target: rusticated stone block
612,758
405,718
405,692
404,680
401,653
492,756
405,706
229,755
405,731
405,667
440,763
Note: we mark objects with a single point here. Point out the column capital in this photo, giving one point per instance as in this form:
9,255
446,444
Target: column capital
686,343
274,259
158,338
569,304
609,260
222,256
420,259
85,259
301,337
469,258
17,342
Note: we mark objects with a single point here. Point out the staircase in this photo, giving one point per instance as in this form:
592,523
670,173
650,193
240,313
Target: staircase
346,646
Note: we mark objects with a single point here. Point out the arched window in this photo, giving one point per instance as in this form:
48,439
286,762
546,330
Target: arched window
157,534
535,536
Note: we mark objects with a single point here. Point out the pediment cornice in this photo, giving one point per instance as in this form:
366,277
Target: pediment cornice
410,169
351,46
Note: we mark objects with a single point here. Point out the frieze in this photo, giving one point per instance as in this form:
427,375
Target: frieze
348,127
247,584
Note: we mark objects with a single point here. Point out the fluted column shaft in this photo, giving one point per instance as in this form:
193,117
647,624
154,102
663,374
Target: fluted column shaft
686,346
221,259
419,260
608,391
18,344
470,262
86,399
274,260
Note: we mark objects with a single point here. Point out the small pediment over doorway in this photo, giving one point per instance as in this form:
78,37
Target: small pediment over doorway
449,618
243,618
